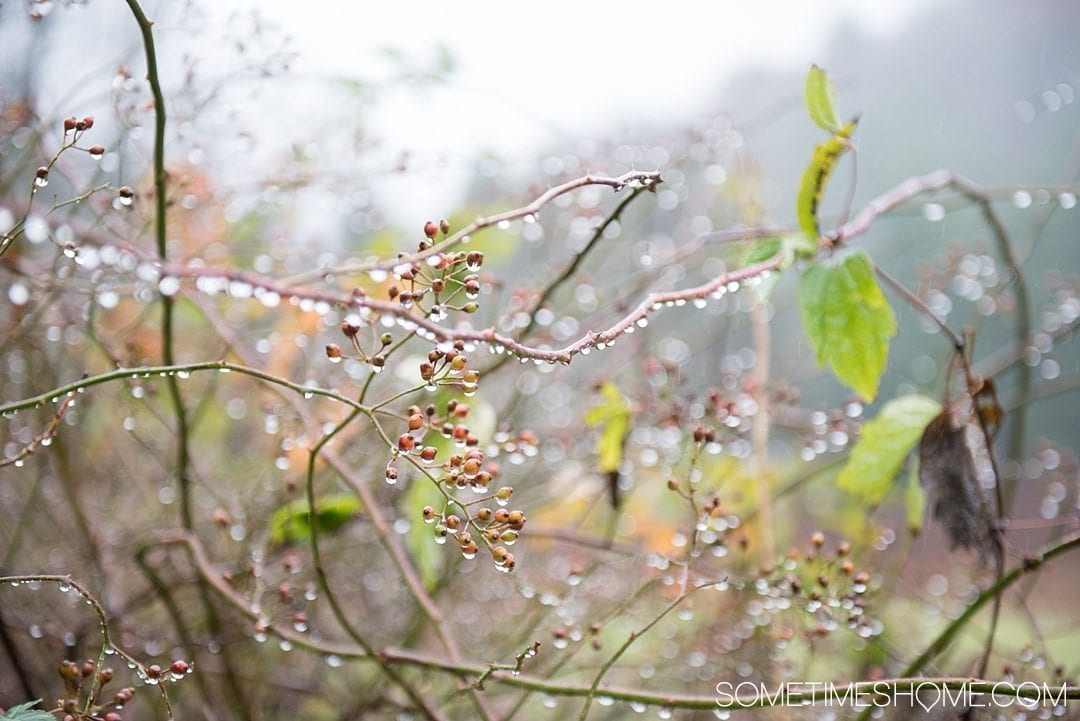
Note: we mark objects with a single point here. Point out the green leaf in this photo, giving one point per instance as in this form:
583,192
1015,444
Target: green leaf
885,443
291,523
613,417
915,498
848,320
788,247
762,250
821,100
816,178
428,555
27,712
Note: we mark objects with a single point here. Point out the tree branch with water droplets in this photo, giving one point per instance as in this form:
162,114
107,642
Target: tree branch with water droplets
715,288
631,179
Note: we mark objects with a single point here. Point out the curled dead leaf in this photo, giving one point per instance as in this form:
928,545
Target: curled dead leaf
959,502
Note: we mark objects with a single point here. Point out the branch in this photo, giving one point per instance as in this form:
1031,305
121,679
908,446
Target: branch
183,451
440,663
175,371
634,636
634,178
989,594
715,288
43,438
66,583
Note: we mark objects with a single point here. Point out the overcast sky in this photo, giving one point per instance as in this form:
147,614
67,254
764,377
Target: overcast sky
576,66
536,74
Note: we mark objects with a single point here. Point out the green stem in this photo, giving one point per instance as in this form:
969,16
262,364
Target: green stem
989,594
324,580
57,393
183,431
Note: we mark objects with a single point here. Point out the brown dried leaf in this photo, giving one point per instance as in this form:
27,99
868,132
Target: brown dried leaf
960,505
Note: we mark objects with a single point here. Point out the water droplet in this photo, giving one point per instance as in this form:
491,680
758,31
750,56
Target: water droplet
41,182
168,286
333,661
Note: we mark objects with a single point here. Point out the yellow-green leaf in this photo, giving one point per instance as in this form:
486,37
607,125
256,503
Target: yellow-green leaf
848,320
915,498
613,417
821,100
816,178
885,443
292,523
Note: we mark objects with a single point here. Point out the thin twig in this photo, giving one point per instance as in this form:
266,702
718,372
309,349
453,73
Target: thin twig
572,268
632,179
950,631
718,286
556,688
107,644
634,636
182,369
43,438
